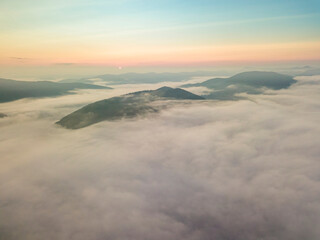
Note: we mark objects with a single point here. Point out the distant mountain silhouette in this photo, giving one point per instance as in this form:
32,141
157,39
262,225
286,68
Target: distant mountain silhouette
310,72
125,106
139,78
11,90
246,82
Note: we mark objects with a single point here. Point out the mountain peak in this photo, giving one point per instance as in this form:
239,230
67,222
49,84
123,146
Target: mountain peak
129,105
258,75
253,82
176,93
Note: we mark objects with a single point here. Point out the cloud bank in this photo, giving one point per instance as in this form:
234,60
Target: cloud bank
241,170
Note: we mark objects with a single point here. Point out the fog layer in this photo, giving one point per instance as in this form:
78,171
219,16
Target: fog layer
240,170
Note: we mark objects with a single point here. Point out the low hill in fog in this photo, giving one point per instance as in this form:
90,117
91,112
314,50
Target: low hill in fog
246,82
125,106
11,90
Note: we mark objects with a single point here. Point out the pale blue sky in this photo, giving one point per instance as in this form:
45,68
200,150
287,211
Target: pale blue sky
106,29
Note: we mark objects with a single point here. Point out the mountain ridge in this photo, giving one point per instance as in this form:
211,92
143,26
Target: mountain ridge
125,106
254,82
11,90
141,78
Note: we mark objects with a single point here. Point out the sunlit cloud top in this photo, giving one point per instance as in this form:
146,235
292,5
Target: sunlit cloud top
158,32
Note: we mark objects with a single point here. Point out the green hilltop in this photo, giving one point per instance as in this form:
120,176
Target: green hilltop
11,90
125,106
247,82
140,103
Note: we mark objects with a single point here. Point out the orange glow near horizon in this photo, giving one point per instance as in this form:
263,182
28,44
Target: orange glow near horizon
165,55
157,33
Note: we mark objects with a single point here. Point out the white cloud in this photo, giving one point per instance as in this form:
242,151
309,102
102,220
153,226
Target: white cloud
216,170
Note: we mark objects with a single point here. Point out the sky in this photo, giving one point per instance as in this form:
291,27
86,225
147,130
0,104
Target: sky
170,33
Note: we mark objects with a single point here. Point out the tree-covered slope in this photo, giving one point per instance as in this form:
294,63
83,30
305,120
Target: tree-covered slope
246,82
125,106
11,90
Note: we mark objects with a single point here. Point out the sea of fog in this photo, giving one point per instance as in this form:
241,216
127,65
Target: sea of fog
242,170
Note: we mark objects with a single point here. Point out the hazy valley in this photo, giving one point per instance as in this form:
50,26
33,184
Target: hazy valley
157,154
